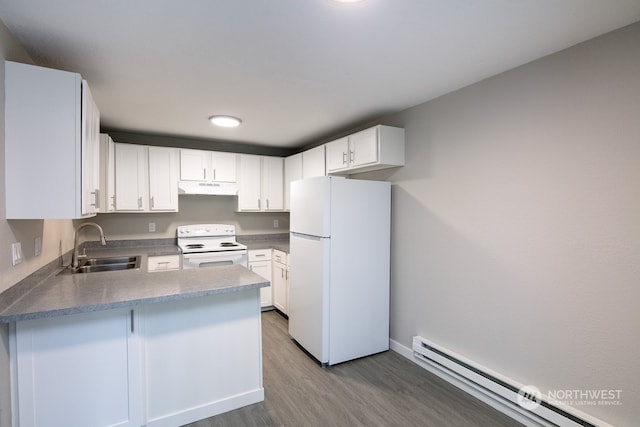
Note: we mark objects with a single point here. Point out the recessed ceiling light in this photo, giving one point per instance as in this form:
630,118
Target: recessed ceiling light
225,121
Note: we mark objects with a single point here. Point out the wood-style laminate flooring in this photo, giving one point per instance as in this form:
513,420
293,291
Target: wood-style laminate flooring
380,390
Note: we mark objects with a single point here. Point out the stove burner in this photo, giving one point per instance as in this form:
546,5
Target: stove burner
194,246
228,244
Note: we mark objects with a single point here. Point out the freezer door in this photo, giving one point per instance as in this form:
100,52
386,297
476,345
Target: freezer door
311,206
308,293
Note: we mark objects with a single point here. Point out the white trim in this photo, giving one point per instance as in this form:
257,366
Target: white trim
502,405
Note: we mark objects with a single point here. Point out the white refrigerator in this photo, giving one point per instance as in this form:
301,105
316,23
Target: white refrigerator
339,267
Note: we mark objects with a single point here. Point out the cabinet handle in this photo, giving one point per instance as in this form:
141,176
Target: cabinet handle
257,255
352,155
287,275
113,202
267,203
96,201
344,157
259,204
152,202
282,273
132,317
204,174
140,203
214,174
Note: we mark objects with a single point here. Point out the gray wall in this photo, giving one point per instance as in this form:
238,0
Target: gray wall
516,222
194,209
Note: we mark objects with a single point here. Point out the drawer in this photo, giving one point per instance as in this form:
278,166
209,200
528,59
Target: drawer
164,263
279,256
259,255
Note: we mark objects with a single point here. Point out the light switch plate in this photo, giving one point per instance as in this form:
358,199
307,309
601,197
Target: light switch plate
16,250
152,227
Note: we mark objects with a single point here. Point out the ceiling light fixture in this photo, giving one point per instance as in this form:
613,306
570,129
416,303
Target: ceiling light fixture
225,121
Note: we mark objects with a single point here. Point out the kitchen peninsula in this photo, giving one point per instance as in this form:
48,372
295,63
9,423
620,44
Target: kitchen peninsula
132,348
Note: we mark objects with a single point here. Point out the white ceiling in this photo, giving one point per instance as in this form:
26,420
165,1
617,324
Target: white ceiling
295,71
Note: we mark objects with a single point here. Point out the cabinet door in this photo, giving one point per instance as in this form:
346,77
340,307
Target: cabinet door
337,153
163,179
42,143
107,174
292,172
279,285
131,177
77,370
263,268
313,163
363,147
90,153
223,167
194,164
248,182
272,184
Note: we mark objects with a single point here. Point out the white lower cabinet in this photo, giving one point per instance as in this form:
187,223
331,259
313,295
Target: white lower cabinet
280,281
260,263
76,371
163,263
201,357
164,364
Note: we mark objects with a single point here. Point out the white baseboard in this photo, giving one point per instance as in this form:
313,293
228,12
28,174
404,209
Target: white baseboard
469,388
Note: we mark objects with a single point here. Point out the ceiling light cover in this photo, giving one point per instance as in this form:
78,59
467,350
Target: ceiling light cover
225,121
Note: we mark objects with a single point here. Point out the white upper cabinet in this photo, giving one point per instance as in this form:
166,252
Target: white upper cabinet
313,162
194,164
146,178
249,182
260,183
163,179
201,165
292,172
337,154
90,153
107,174
131,180
379,147
223,167
51,144
272,183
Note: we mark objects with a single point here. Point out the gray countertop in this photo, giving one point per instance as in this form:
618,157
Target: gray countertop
276,241
61,293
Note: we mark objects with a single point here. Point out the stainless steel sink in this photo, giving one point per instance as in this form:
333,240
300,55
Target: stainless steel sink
110,260
95,265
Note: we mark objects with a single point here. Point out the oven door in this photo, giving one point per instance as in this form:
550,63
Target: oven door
213,259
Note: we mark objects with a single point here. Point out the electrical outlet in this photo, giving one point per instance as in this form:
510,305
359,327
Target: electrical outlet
16,250
276,224
152,227
37,246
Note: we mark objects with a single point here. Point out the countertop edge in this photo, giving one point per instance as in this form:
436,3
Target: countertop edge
10,318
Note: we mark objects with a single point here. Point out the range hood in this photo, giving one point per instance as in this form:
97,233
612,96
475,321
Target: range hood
208,188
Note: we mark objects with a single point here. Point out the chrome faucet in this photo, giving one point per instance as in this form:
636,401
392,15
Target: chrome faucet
103,241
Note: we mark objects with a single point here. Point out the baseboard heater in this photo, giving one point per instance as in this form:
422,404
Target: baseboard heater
504,393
